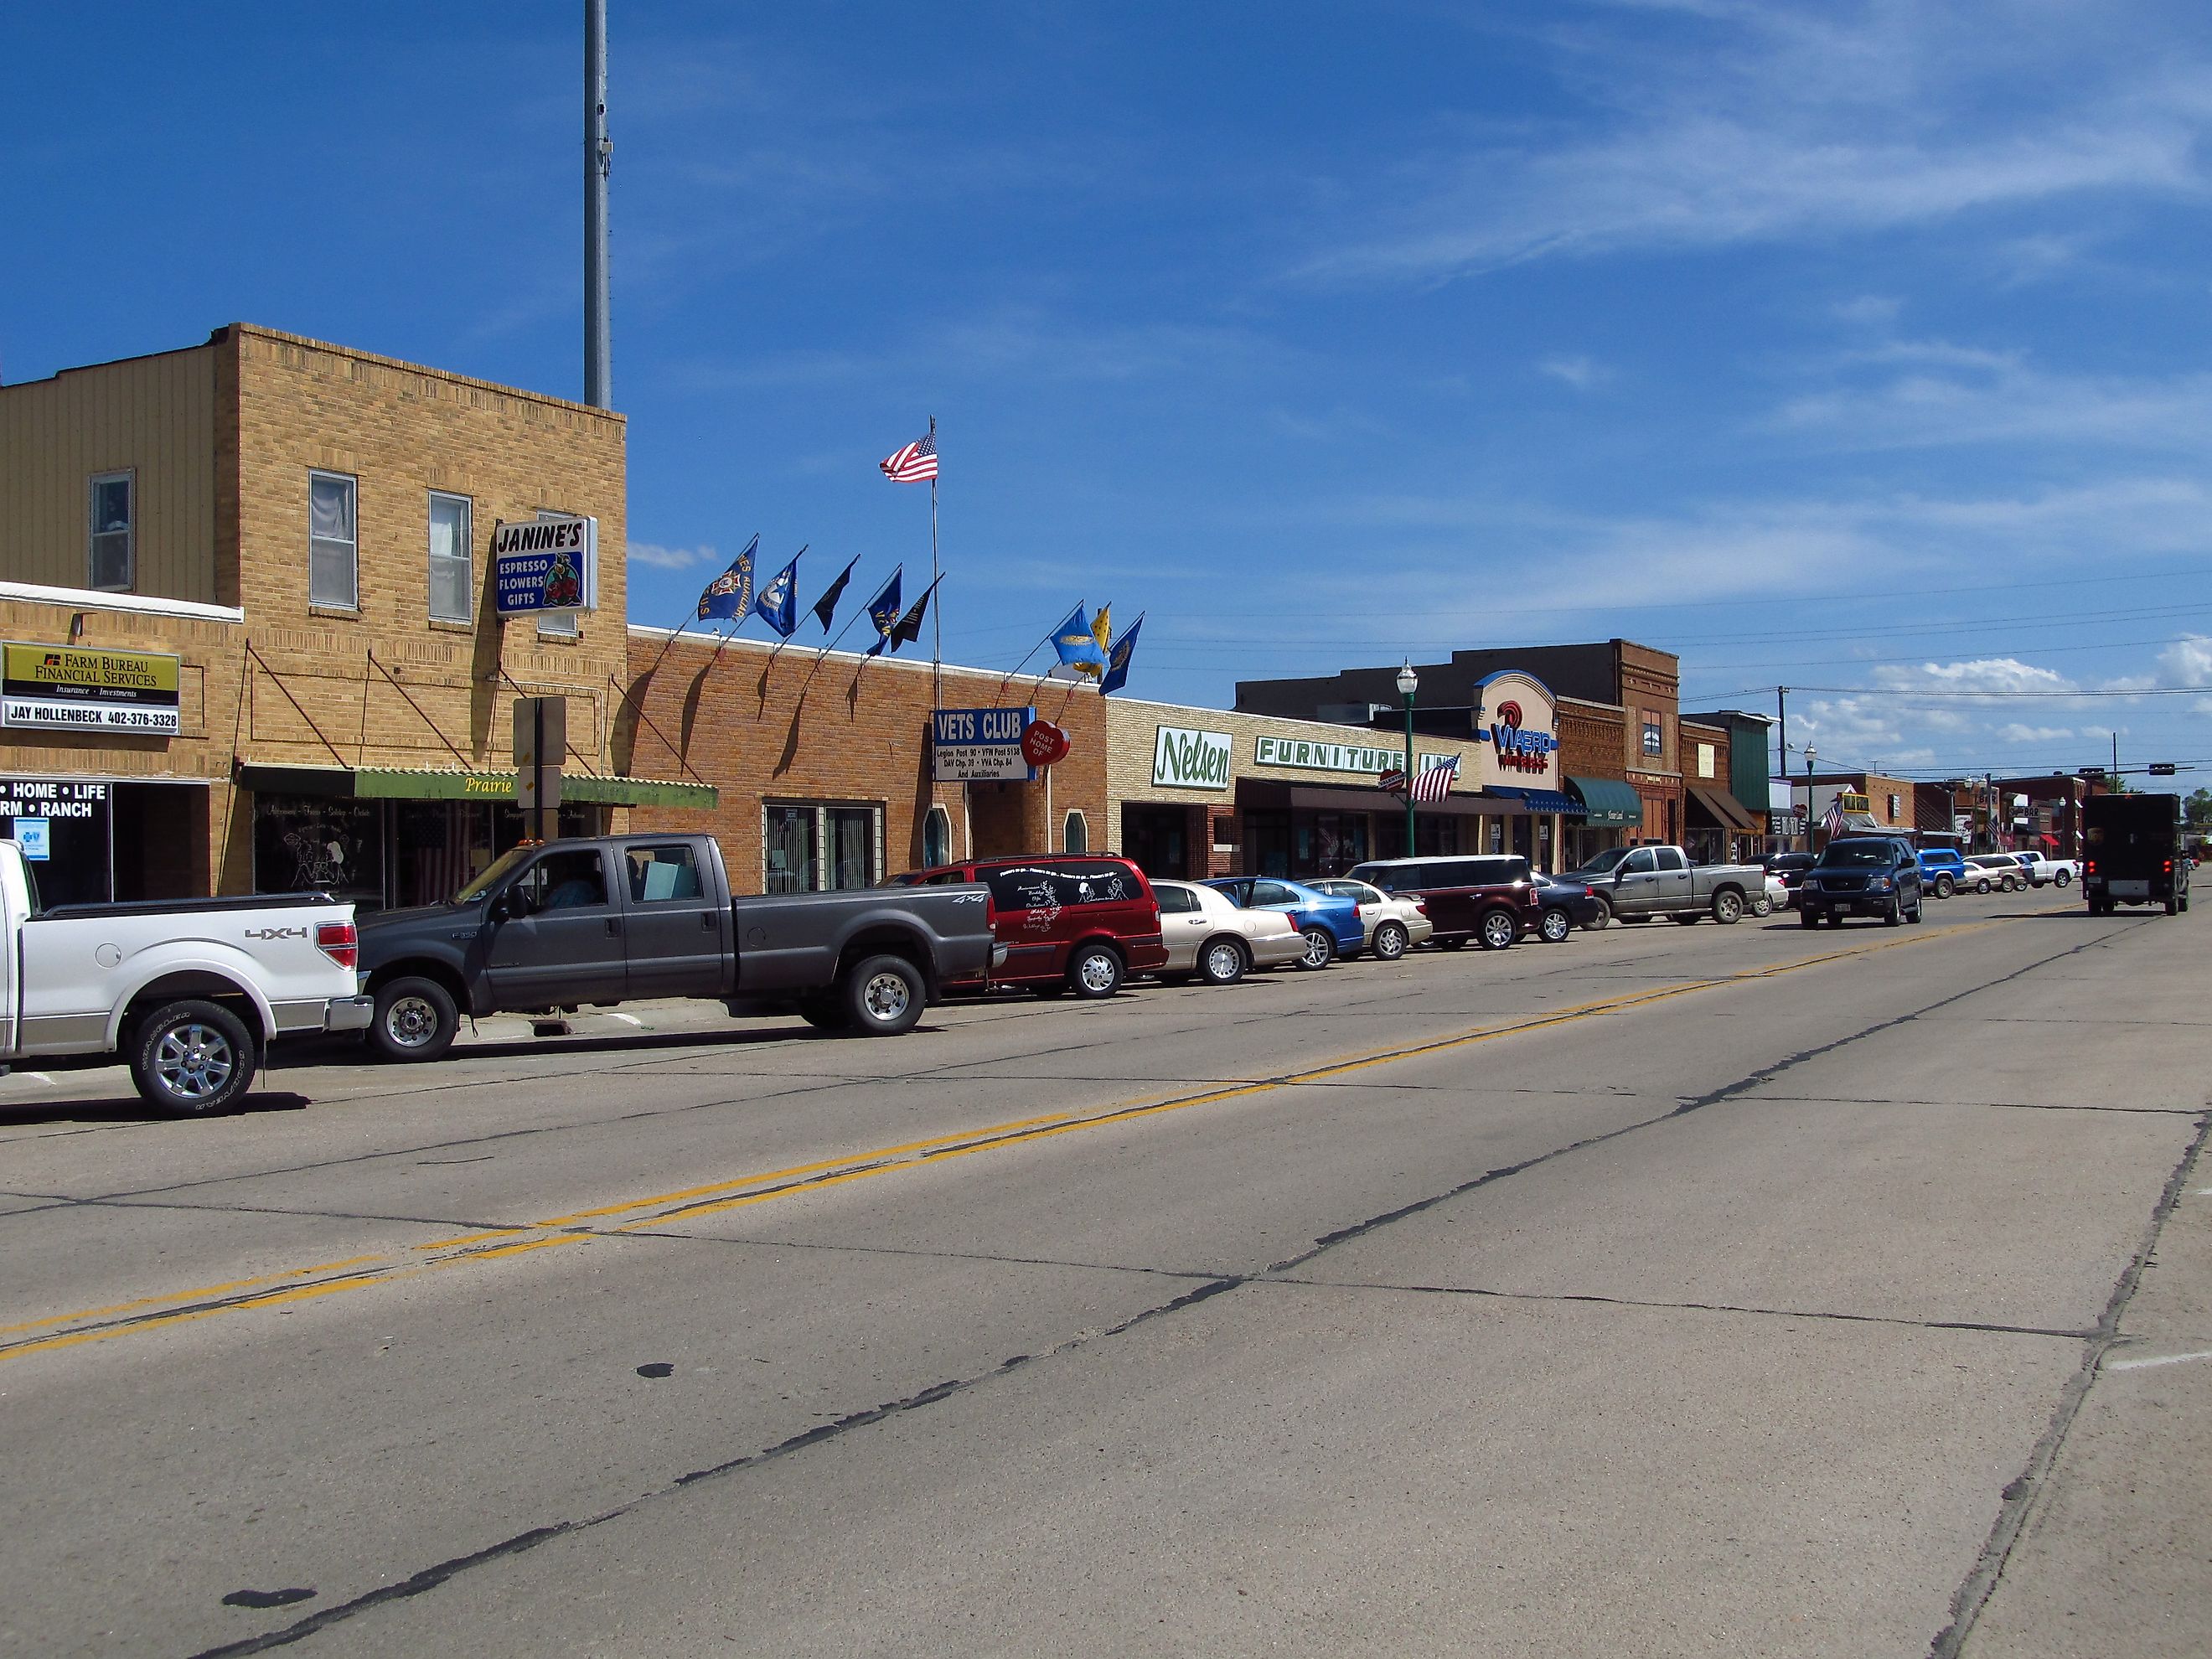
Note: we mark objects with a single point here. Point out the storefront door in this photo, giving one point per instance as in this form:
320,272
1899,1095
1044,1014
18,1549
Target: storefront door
1157,839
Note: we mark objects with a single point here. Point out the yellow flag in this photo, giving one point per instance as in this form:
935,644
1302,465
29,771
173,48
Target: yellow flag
1102,625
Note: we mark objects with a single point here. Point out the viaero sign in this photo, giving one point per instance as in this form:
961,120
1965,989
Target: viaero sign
1187,759
1516,727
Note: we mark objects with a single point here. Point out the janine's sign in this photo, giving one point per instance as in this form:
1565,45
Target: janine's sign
63,689
980,746
542,564
1187,759
1517,724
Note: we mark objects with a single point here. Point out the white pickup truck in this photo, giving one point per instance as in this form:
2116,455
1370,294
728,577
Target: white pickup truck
188,993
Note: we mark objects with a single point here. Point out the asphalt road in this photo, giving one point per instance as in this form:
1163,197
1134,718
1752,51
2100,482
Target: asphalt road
1672,1291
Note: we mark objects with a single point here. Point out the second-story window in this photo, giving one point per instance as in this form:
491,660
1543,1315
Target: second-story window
333,553
1651,739
452,559
111,552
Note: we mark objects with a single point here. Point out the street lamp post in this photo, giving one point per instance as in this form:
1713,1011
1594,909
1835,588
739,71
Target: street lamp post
1409,682
1811,755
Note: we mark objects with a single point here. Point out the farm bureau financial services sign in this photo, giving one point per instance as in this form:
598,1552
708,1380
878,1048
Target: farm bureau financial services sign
1185,759
63,689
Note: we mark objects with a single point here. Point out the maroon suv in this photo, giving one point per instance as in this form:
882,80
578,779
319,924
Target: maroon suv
1070,922
1489,898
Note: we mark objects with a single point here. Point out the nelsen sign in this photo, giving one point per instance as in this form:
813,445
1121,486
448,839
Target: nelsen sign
1187,759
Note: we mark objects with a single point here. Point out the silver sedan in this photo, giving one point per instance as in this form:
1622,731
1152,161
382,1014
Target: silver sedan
1208,936
1389,926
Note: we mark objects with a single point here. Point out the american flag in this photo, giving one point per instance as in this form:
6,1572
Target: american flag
1831,821
915,464
1433,784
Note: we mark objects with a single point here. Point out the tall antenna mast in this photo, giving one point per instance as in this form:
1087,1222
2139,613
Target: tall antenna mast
599,159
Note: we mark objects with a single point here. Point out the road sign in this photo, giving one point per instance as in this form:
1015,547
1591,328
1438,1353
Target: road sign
541,742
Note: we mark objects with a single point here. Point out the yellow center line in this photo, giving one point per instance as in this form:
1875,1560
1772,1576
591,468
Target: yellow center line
691,1203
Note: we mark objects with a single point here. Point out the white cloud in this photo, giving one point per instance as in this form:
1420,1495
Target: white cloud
669,558
1579,373
2187,661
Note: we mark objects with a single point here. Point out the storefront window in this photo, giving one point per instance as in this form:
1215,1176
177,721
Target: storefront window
807,847
1269,833
789,845
852,847
315,844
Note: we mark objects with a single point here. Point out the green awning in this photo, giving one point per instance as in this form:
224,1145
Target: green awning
400,783
1611,803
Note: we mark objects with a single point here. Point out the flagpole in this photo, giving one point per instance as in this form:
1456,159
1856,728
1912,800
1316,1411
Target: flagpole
937,640
821,655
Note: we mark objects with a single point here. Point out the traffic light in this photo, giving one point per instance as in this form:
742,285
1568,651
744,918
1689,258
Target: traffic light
2162,768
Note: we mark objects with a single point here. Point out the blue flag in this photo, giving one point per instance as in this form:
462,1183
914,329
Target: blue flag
778,603
883,610
1078,646
731,593
1117,659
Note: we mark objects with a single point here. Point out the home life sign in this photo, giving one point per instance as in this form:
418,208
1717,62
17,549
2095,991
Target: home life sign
1184,758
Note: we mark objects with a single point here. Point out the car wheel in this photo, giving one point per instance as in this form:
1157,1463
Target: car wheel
1223,961
1983,885
2063,877
192,1059
1321,949
1603,917
881,996
1391,941
1728,908
414,1019
1094,972
1555,926
1892,913
1762,907
1945,887
1498,929
1918,914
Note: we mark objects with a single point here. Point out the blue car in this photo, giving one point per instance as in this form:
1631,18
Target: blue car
1331,925
1943,872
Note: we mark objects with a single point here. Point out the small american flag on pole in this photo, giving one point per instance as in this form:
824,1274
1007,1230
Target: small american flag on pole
915,464
1432,785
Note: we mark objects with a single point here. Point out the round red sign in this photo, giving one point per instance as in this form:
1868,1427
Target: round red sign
1044,742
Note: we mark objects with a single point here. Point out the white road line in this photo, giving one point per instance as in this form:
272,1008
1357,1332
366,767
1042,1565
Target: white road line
2156,1360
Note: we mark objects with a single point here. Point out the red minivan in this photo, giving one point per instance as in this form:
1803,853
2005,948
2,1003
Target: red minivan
1070,922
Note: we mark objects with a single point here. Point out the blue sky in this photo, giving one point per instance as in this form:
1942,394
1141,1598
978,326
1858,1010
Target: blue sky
1846,345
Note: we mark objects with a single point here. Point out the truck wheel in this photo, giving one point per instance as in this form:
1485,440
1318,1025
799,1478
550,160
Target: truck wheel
1222,962
824,1012
2063,877
1497,929
1391,941
881,996
414,1019
1727,907
1808,918
192,1059
1555,926
1945,887
1892,913
1094,972
2172,906
1603,917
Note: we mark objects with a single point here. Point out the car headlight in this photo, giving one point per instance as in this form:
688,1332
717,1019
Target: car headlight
1880,885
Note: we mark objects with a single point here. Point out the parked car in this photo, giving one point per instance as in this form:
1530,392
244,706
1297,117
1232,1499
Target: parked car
1995,872
1218,941
188,993
1328,924
1861,876
1070,922
1774,895
619,918
2044,871
2135,853
1567,905
1491,897
1942,871
1639,883
1394,926
1789,868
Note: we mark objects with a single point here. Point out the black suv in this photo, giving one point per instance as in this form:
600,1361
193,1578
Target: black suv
1861,876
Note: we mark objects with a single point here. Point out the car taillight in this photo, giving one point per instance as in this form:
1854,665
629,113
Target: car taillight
338,941
1420,906
990,910
2168,866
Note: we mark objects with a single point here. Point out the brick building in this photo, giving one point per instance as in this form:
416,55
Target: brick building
280,547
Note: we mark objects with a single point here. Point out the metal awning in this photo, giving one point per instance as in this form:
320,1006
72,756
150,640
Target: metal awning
1542,800
1725,809
400,783
1308,798
1609,802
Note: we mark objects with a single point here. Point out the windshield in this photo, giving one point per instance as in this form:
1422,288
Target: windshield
1857,855
500,869
1604,863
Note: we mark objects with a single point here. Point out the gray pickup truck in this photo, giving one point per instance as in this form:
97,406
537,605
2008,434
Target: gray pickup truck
596,922
1639,883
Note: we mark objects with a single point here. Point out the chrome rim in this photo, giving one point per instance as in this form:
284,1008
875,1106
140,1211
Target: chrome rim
1556,926
1097,972
885,996
411,1022
1498,930
194,1060
1223,961
1317,951
1390,944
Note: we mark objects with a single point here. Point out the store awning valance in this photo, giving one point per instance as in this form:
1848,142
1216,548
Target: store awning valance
1542,800
401,783
1726,811
1610,803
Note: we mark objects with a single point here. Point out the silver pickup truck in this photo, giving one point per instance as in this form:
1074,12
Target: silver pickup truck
622,918
1636,883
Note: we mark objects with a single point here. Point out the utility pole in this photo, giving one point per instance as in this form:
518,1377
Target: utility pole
599,159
